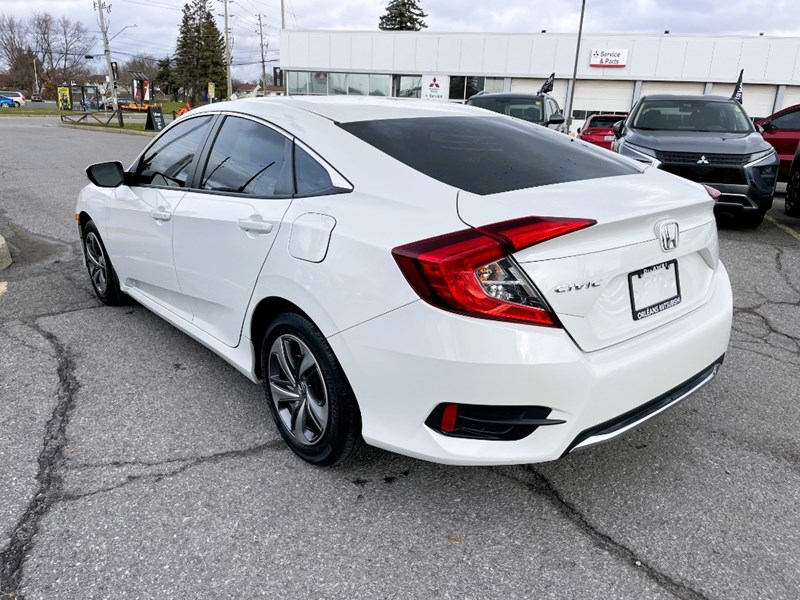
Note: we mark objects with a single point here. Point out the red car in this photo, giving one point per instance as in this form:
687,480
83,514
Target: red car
782,130
597,130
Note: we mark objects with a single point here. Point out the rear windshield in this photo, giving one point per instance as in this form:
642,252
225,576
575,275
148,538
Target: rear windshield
692,115
487,155
527,109
603,122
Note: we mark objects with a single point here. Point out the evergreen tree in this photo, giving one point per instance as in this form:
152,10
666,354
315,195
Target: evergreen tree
403,15
166,78
200,52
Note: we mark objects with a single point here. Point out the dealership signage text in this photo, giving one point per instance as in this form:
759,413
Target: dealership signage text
608,57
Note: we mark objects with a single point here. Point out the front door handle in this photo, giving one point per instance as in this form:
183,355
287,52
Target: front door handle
255,226
160,215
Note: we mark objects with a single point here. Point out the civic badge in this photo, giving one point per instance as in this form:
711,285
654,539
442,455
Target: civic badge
669,234
703,160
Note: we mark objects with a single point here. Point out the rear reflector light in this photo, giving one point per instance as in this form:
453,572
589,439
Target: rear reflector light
449,415
471,272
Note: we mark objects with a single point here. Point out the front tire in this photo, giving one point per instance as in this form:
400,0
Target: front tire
101,271
792,202
16,104
309,396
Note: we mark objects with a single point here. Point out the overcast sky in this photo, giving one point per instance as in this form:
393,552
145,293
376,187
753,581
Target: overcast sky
157,21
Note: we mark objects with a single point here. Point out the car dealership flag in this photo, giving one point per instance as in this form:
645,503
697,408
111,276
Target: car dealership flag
737,91
547,86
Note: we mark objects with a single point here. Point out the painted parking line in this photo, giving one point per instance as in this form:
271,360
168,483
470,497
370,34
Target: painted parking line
3,288
788,230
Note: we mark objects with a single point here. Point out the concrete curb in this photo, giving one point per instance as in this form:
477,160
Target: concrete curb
108,129
5,255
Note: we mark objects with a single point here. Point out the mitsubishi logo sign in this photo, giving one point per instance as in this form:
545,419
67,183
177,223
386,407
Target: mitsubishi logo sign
703,160
668,233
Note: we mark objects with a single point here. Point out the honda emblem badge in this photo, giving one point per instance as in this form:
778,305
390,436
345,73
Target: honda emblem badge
669,234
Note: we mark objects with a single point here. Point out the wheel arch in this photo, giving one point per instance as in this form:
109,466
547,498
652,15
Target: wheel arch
265,311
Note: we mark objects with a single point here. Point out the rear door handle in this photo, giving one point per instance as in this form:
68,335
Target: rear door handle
255,226
160,215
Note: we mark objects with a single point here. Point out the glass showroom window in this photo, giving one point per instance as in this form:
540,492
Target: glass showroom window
462,88
493,85
358,84
337,84
380,85
318,84
407,86
298,82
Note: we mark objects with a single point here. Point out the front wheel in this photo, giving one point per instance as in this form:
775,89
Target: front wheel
309,396
792,202
101,271
16,104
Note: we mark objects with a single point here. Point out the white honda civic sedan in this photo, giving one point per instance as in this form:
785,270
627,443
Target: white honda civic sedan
434,279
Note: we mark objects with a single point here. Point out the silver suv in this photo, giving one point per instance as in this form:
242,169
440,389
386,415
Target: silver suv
18,98
541,109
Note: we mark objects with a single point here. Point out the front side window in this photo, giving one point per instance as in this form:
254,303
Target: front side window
169,161
246,158
528,109
692,115
788,121
487,155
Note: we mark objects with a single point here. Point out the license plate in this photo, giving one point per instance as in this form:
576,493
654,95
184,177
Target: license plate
654,289
609,138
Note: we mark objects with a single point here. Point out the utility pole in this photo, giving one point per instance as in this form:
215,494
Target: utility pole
227,50
101,8
263,59
36,75
575,68
283,14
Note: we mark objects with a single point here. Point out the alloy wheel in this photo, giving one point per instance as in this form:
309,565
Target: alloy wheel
792,190
96,262
298,390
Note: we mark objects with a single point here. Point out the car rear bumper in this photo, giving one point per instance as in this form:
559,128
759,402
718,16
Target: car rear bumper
404,364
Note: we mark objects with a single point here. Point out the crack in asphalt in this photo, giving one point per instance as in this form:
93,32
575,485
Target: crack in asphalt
184,464
48,475
545,488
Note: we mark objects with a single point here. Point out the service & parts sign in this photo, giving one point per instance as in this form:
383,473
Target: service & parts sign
608,57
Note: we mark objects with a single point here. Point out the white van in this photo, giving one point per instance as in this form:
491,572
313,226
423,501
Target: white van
17,97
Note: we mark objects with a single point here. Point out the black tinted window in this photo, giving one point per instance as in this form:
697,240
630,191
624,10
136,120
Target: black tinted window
311,177
603,122
527,109
487,155
246,158
169,161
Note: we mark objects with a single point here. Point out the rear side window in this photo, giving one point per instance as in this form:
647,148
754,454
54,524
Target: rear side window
246,158
487,155
603,122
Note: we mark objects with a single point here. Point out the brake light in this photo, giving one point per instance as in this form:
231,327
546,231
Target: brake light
713,192
472,272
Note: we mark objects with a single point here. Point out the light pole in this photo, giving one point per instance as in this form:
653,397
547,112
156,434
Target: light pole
120,31
102,7
575,68
36,76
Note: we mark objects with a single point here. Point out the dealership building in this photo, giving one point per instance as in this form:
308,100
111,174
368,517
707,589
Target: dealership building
613,70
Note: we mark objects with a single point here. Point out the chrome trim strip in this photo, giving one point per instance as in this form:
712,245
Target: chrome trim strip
602,438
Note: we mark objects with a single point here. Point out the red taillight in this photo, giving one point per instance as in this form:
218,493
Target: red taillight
449,415
470,272
713,192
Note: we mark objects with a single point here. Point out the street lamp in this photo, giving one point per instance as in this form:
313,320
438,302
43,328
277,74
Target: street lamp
575,68
120,31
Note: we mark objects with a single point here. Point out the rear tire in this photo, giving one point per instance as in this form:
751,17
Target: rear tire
792,202
751,219
16,104
101,271
309,396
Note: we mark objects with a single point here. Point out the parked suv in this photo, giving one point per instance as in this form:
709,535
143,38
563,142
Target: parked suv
707,139
782,130
792,206
541,109
18,98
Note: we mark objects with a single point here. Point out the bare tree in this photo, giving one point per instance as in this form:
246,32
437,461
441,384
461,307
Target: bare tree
142,63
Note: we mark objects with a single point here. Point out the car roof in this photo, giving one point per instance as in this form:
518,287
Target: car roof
344,109
512,95
686,97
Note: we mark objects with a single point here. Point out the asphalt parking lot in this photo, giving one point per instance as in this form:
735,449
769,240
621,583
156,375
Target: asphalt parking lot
137,464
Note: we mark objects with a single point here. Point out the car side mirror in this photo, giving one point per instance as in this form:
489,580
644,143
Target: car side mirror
106,174
617,128
760,129
556,120
766,126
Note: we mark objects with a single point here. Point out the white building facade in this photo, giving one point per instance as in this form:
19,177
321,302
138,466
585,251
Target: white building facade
613,70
